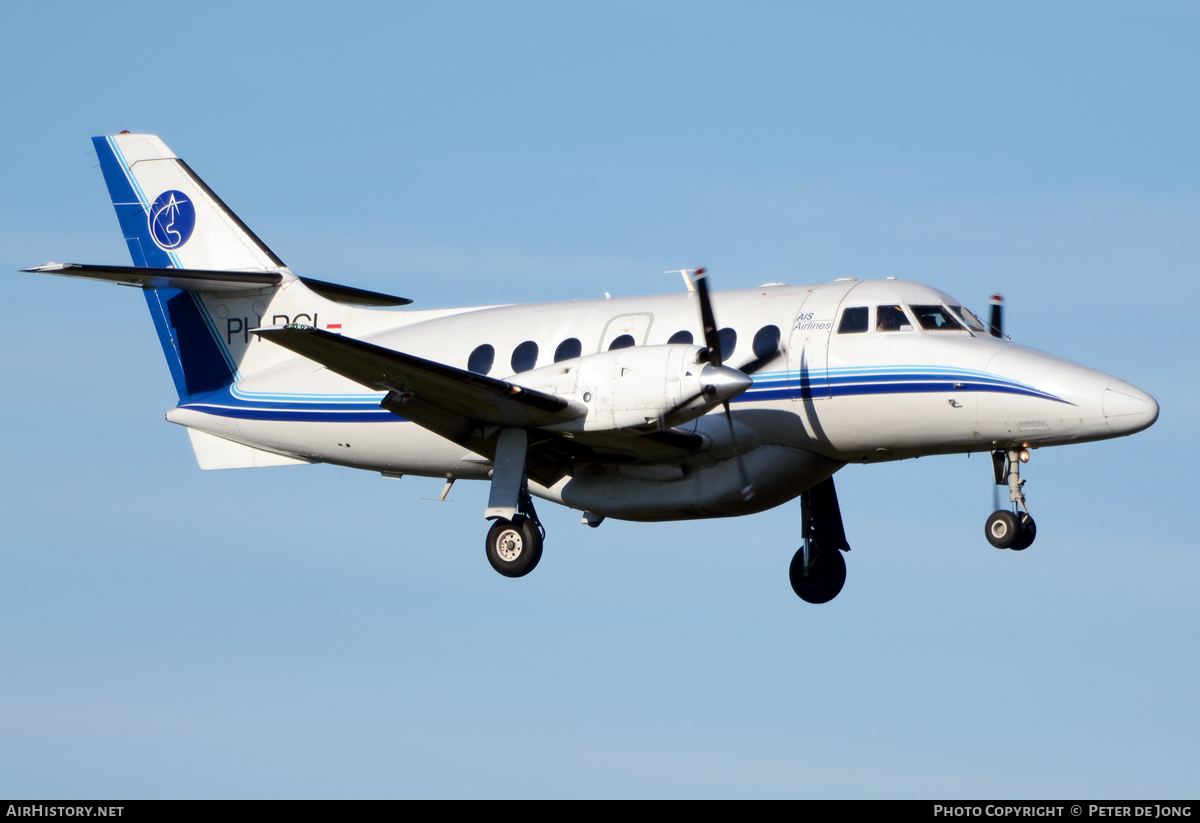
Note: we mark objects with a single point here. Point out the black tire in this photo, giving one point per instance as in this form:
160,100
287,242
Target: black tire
825,578
1002,529
514,547
1026,534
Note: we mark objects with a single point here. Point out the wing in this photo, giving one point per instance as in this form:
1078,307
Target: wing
461,406
470,409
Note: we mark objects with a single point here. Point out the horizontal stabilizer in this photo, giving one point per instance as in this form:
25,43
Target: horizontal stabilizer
441,398
214,281
148,278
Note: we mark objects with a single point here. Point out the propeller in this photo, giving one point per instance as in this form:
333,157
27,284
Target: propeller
766,347
713,355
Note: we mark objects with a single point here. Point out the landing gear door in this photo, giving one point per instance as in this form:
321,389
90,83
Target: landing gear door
808,347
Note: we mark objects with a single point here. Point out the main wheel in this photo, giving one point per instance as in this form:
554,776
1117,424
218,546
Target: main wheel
825,577
1002,529
514,547
1027,532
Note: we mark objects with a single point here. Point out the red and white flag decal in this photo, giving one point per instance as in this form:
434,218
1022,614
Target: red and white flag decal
334,326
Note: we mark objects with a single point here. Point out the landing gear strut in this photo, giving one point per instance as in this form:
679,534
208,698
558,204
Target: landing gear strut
514,542
514,547
1013,529
818,569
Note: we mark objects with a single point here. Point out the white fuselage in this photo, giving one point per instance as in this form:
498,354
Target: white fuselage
829,398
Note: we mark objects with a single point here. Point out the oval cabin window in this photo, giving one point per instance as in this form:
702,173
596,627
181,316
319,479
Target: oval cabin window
524,357
567,349
481,359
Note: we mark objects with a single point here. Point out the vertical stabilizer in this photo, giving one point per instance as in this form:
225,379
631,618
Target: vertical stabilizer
170,218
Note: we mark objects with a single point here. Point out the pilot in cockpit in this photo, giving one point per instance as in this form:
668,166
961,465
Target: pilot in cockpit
890,318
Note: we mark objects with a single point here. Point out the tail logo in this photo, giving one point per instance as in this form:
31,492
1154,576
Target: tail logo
172,219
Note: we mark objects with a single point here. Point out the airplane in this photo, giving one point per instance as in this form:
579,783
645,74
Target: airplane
635,408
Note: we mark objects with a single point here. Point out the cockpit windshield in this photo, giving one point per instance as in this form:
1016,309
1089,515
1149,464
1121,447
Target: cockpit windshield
936,318
969,318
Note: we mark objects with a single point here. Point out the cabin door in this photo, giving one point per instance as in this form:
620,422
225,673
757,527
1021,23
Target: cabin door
808,346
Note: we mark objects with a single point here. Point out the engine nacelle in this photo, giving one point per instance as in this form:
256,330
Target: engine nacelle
780,472
638,386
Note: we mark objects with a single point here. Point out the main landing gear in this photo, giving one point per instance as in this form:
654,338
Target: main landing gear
514,542
818,569
1013,529
514,547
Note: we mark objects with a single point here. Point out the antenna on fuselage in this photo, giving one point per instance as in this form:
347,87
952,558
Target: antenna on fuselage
687,281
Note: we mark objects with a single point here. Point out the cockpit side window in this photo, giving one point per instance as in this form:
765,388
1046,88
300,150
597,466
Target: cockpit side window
891,318
854,320
936,318
969,318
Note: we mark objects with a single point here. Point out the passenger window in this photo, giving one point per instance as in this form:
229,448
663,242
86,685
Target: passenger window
766,342
481,359
622,342
891,318
970,319
936,318
728,338
524,357
853,320
681,337
571,347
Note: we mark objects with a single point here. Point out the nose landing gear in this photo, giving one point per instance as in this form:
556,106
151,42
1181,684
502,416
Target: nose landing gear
1013,529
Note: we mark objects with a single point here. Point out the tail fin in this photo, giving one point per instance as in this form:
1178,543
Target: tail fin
169,217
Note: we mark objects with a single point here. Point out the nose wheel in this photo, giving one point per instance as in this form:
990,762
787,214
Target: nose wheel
1013,529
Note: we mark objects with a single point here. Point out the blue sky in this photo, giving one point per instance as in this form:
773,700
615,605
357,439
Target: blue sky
323,632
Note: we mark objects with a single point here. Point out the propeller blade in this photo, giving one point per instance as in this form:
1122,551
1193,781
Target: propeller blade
767,345
711,339
996,326
758,362
747,486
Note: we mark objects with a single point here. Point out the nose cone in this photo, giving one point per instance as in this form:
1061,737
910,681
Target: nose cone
1128,409
722,383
